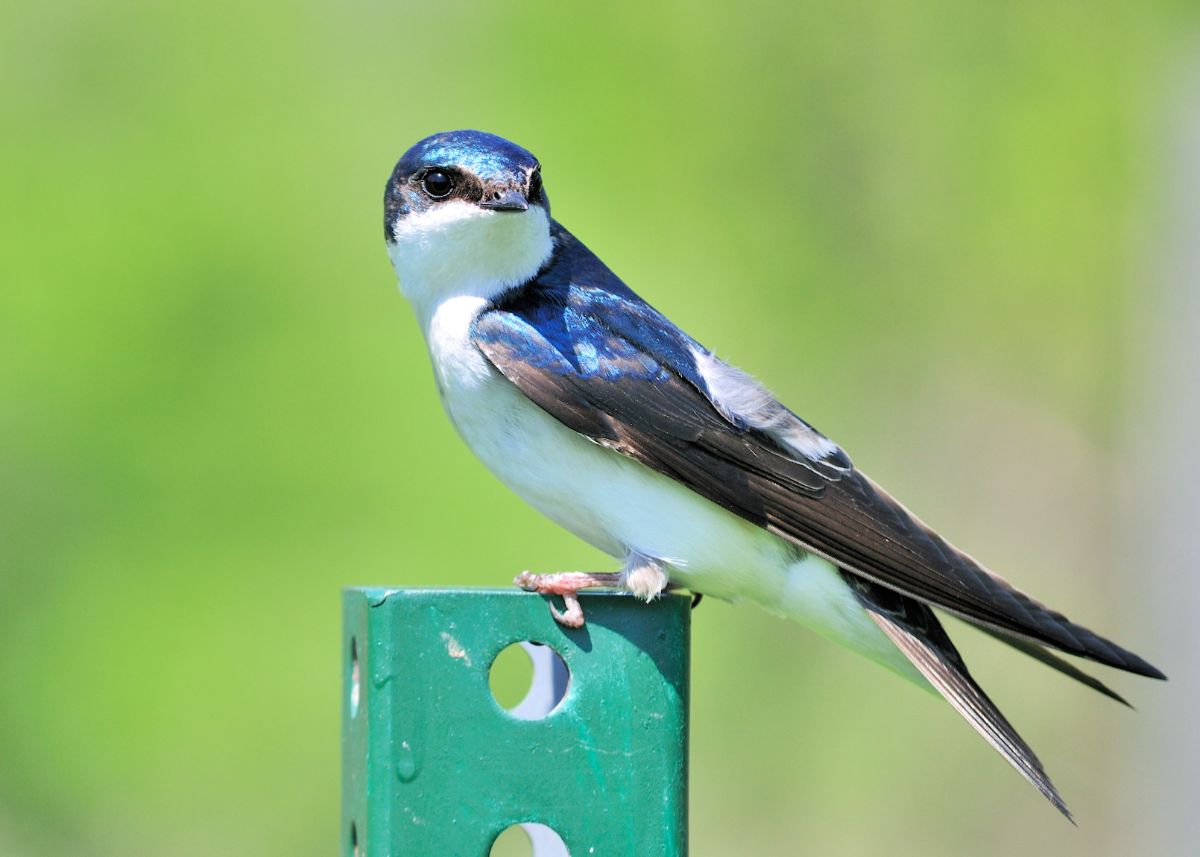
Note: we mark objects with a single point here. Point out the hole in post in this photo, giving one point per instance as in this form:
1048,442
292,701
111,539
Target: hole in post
354,676
528,680
531,838
512,842
511,677
354,839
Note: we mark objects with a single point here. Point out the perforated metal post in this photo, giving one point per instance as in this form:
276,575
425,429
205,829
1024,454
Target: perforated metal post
432,765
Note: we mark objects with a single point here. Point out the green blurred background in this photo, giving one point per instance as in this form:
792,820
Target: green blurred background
948,234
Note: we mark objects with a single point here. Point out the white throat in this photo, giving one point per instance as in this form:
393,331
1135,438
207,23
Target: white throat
457,249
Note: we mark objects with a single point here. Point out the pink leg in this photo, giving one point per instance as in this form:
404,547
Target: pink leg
567,584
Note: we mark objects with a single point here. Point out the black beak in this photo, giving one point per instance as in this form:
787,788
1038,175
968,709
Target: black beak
508,199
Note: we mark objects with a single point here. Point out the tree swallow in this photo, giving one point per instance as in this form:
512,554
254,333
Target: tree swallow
616,424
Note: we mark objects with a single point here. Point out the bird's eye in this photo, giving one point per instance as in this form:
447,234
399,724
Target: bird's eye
535,186
437,184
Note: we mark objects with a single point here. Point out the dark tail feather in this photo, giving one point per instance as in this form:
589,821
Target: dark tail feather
915,630
1056,663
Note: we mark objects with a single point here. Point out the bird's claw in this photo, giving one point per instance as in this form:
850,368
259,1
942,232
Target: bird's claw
572,617
528,581
549,584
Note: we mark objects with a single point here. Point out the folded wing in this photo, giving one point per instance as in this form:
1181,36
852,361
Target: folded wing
592,354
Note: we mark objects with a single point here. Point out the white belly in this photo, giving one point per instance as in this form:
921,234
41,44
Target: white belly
619,505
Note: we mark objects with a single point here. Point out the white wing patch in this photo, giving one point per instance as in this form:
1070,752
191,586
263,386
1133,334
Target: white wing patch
745,402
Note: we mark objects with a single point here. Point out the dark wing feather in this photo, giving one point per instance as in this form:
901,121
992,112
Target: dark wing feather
1053,661
859,526
592,354
916,631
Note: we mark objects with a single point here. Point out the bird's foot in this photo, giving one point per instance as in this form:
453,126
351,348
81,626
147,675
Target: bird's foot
567,584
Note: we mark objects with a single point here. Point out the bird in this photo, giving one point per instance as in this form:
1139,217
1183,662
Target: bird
606,417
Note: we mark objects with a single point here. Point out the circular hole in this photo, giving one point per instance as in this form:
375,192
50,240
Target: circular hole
512,842
531,838
511,677
528,680
354,839
354,677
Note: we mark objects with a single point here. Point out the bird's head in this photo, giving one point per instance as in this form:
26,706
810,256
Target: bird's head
465,212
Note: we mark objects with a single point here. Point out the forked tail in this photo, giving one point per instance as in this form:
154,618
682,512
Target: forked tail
916,631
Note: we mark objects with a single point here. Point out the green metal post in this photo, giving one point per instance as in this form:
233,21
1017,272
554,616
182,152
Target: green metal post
432,765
